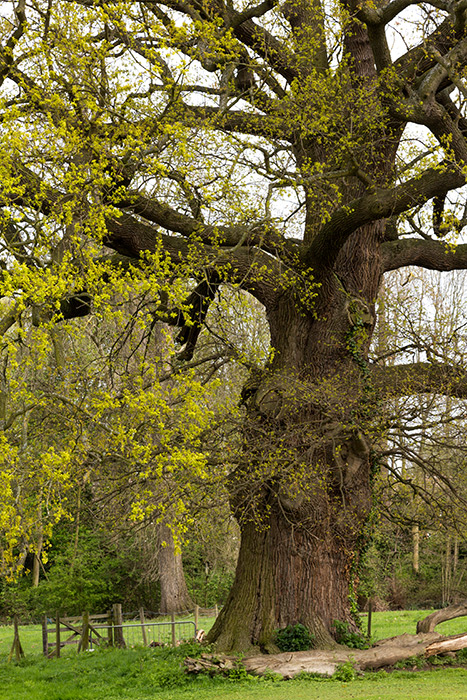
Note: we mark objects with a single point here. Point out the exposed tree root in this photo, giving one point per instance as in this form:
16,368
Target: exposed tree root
429,623
384,653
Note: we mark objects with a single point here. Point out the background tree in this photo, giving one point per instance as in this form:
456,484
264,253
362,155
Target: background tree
117,493
266,146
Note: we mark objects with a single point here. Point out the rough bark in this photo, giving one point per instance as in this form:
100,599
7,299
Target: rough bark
302,496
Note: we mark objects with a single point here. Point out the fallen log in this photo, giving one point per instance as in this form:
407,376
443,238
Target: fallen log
383,654
459,641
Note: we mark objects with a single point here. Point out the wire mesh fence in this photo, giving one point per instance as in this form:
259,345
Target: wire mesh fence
153,634
56,635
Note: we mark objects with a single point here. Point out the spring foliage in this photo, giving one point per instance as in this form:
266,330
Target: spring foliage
155,154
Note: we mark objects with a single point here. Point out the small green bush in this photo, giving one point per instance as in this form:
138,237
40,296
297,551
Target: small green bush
442,660
269,675
354,640
294,638
310,676
239,673
376,675
345,673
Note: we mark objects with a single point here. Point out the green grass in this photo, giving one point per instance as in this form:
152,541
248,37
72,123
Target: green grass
142,673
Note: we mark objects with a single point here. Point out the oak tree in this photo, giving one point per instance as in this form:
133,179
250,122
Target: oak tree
296,150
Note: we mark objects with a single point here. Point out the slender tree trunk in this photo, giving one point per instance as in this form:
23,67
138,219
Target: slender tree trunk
77,526
36,566
174,591
447,573
416,549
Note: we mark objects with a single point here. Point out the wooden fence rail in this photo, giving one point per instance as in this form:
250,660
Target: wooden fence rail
87,631
77,629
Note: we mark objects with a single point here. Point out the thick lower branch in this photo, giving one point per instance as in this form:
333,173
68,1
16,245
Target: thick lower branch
432,255
381,203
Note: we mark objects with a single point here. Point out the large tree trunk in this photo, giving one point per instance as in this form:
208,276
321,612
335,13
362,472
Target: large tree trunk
302,496
285,575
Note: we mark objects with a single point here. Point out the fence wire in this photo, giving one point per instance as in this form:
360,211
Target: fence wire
149,633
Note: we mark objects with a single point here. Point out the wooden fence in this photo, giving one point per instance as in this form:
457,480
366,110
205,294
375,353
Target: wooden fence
16,647
88,631
72,630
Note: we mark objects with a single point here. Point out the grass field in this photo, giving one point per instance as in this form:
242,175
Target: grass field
143,673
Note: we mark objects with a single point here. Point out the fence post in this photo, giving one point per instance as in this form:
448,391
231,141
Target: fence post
118,622
174,638
216,611
84,641
110,639
16,646
45,639
57,634
143,628
196,619
370,610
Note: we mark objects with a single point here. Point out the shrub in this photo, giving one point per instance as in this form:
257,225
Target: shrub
310,676
345,673
411,662
239,673
354,640
269,675
294,638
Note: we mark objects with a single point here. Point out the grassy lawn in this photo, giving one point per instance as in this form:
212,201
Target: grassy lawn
143,673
